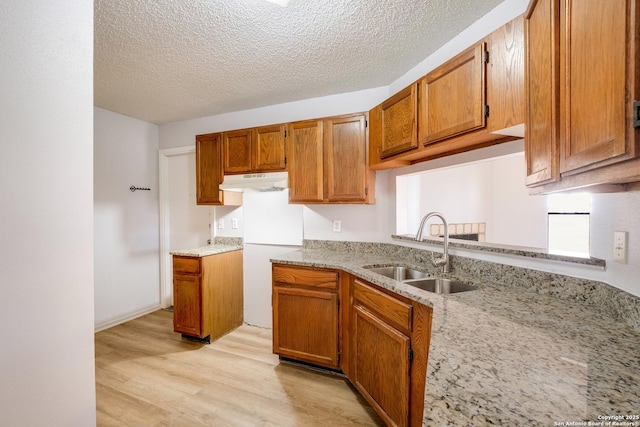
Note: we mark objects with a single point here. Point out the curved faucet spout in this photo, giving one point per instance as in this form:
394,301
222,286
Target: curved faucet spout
444,261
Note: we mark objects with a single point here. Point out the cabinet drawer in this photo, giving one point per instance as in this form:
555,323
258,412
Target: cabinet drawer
186,265
325,279
397,313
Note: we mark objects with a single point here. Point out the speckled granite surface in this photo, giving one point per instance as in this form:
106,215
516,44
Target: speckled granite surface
509,250
506,355
220,245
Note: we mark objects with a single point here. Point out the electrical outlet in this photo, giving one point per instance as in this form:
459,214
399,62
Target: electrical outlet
234,223
337,225
221,223
620,246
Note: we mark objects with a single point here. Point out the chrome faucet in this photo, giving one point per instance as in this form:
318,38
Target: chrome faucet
444,261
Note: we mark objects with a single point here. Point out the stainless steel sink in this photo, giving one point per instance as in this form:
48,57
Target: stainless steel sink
440,286
398,272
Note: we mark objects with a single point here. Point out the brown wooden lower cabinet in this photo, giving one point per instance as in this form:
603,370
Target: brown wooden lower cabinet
381,366
305,315
321,314
207,295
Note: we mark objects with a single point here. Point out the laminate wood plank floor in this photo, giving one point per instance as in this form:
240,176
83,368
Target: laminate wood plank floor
147,375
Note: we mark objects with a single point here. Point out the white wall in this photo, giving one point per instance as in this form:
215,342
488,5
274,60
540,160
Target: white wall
617,212
182,134
489,191
127,242
46,214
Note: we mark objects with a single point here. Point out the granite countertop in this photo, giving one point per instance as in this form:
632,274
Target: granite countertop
504,355
219,246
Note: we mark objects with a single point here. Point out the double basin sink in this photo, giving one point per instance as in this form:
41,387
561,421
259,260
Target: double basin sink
422,280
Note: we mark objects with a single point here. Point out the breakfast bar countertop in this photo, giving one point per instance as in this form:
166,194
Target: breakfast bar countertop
207,250
220,245
503,355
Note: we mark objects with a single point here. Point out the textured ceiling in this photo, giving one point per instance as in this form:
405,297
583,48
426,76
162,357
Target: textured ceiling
167,60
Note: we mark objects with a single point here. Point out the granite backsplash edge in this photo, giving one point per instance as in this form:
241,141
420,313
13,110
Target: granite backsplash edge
607,299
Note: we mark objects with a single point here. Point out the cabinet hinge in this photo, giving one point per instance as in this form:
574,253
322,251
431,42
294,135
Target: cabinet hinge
339,356
366,191
285,160
285,133
486,111
486,56
636,114
410,355
366,123
338,303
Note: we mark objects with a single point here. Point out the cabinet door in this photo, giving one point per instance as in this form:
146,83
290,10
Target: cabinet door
306,164
187,305
381,366
595,56
542,92
505,76
268,149
209,172
454,98
305,325
399,125
345,150
237,151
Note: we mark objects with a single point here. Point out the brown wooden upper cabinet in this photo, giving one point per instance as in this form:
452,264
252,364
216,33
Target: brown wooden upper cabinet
306,168
399,126
259,149
474,100
582,80
454,97
328,161
209,172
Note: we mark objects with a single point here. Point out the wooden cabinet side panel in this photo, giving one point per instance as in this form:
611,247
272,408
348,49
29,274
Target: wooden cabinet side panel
381,368
399,124
593,93
306,162
345,325
420,342
345,147
305,325
223,292
455,95
237,151
542,92
269,149
209,173
375,134
505,75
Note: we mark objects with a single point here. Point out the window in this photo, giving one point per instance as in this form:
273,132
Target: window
568,219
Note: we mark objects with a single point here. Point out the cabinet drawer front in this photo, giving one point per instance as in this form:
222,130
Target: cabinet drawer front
397,313
188,265
324,279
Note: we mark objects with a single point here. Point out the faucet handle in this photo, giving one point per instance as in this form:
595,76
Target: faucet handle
439,262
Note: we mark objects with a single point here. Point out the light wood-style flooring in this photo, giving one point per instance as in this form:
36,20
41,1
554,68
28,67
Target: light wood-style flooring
147,375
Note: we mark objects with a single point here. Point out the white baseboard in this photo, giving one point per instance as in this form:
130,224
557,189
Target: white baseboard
123,319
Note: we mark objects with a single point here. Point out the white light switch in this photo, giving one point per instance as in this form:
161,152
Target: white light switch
620,246
337,225
234,223
221,223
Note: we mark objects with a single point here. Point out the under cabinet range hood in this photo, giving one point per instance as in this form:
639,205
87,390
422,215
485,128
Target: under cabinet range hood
272,181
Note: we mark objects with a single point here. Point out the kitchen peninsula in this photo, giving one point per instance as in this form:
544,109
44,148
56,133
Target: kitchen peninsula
207,290
507,353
